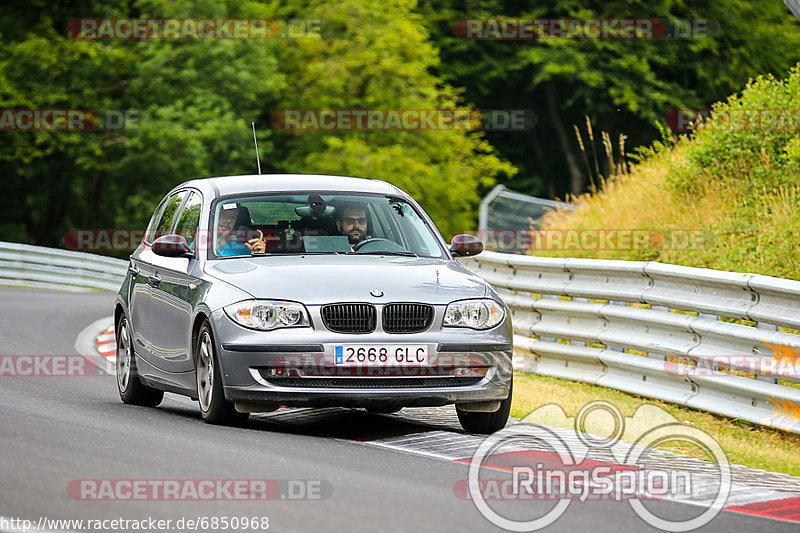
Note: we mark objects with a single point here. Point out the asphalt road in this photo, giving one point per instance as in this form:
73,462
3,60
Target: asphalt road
56,430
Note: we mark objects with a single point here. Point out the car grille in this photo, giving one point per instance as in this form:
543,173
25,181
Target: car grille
372,383
407,318
349,318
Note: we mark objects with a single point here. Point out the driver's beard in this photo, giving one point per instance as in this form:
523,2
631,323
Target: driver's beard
355,240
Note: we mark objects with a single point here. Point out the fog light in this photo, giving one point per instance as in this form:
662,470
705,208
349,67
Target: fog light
470,372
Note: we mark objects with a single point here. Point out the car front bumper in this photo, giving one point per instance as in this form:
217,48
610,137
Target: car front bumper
294,367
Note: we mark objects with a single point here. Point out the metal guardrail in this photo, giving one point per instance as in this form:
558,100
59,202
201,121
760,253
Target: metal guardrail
723,342
49,268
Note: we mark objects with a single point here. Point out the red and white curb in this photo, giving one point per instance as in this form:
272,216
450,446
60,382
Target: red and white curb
783,509
86,344
106,344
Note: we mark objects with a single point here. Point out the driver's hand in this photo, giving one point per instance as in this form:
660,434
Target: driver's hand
257,245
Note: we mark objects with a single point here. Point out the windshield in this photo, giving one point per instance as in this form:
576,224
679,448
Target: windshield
320,223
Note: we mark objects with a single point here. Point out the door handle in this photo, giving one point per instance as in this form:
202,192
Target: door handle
155,280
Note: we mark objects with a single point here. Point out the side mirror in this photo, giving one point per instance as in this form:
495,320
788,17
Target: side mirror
465,245
172,246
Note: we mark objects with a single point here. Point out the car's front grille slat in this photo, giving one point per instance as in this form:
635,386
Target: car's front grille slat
407,317
350,318
362,317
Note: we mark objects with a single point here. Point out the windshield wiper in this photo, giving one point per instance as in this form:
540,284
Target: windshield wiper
404,254
274,254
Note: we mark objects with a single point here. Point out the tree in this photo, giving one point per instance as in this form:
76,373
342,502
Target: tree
377,55
625,86
195,100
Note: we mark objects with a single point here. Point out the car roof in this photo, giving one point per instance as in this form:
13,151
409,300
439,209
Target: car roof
260,183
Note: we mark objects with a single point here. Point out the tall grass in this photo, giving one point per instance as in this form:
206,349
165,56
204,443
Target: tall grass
733,186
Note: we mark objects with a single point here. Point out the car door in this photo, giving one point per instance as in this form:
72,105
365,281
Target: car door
173,291
144,306
139,296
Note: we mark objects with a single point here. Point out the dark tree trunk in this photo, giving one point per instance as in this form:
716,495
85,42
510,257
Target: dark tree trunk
575,174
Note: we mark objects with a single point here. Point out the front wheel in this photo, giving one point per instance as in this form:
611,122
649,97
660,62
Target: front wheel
213,405
486,423
131,389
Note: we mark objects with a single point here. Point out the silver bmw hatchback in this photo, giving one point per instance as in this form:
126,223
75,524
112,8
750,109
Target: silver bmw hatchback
249,293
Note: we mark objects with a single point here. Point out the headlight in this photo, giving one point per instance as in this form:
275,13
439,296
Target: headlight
267,315
475,314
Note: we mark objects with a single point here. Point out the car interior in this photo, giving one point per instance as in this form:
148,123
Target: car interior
307,224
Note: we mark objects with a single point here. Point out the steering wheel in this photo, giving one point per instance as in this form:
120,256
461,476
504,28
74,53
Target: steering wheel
357,247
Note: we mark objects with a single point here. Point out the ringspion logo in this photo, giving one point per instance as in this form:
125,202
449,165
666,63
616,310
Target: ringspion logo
553,457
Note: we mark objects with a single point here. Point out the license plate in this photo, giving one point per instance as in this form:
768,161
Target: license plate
380,355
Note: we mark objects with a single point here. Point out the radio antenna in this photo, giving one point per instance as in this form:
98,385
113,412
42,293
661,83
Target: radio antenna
258,160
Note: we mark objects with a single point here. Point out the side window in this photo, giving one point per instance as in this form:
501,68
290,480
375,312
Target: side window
151,227
379,227
164,221
190,218
417,231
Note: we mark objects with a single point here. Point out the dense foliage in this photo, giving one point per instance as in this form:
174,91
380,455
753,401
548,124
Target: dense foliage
623,86
724,198
196,99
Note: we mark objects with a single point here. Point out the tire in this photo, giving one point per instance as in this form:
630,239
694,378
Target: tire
486,423
131,389
214,408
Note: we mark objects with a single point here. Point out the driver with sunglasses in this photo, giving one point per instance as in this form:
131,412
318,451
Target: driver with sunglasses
352,222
